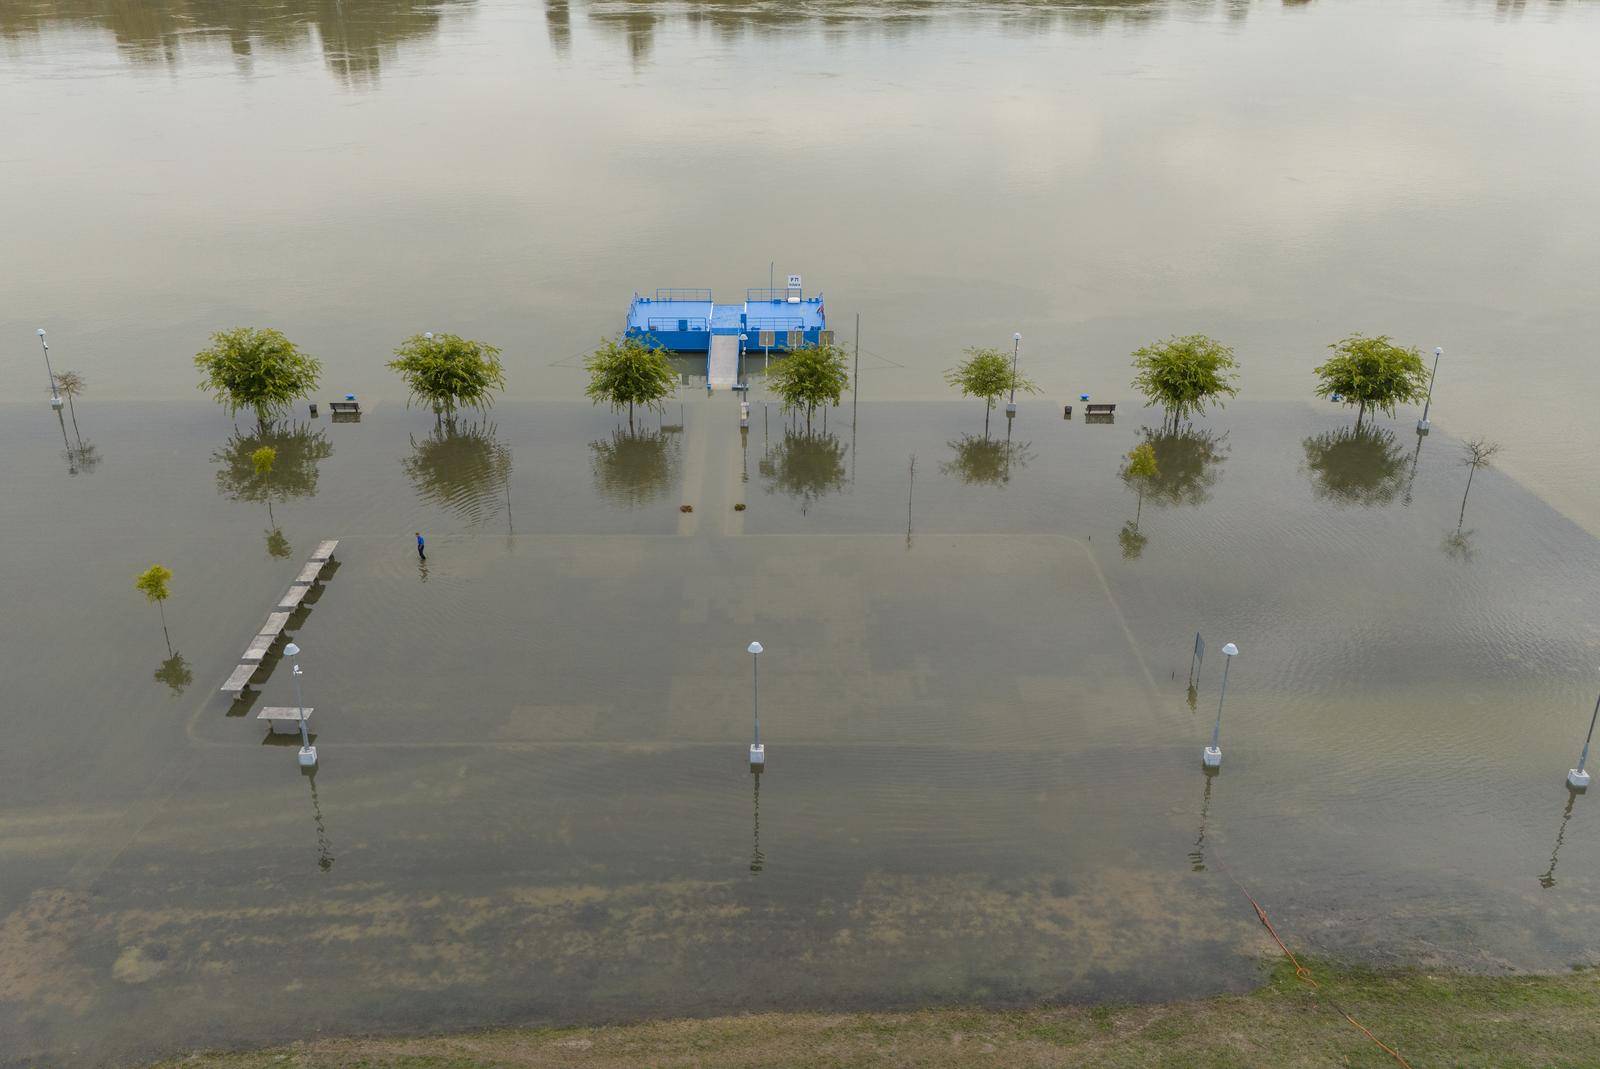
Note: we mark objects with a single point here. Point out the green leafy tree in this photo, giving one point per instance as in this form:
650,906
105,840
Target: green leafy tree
1356,465
256,368
985,460
811,376
628,371
1139,470
1372,371
449,371
1184,375
155,584
805,465
987,374
634,468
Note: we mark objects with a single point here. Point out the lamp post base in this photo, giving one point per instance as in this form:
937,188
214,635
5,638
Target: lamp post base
1212,757
308,757
1423,426
1578,779
758,756
1011,408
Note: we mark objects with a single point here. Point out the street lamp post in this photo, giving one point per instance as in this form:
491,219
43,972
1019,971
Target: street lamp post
758,752
55,394
308,752
1578,778
1011,405
1212,758
1422,424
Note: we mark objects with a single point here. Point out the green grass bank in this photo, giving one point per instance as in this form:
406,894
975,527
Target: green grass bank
1432,1019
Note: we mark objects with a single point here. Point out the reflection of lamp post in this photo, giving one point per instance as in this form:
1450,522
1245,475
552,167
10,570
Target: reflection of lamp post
55,395
758,752
758,860
1422,424
308,752
1011,405
1212,757
1578,778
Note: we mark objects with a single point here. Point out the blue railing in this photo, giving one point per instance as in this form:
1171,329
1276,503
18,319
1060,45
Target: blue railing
676,323
781,323
683,295
765,296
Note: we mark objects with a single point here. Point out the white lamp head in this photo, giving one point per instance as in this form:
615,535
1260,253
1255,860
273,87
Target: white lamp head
428,334
1230,650
1017,336
754,647
291,650
1438,350
41,332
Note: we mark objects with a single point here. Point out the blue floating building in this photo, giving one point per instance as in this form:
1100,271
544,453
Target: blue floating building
685,320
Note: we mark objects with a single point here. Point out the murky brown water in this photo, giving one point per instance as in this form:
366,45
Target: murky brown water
984,781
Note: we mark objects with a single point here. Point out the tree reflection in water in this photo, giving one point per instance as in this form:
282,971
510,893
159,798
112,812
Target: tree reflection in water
1186,465
1356,466
294,473
635,467
466,469
806,464
980,459
175,673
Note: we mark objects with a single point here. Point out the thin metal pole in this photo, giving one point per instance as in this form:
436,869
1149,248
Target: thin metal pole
1016,343
855,376
1583,759
1216,729
48,369
305,739
755,681
1431,376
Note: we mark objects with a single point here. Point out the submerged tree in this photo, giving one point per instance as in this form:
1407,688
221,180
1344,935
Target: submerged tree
634,467
154,583
464,469
625,372
1355,465
1139,470
449,371
987,374
70,384
810,376
805,465
277,462
258,369
1184,375
985,460
1372,371
175,673
1479,453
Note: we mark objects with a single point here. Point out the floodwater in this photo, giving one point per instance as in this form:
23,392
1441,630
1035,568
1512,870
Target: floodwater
984,781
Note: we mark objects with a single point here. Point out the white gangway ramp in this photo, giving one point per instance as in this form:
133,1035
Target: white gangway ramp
723,367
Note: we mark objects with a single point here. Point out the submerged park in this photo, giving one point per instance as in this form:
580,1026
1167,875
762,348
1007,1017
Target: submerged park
1144,616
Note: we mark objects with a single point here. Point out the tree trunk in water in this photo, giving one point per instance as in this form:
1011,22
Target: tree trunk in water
1139,508
988,407
1471,471
630,417
74,410
1361,411
162,609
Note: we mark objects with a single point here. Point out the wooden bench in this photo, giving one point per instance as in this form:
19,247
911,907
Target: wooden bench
1099,409
282,721
240,680
309,573
258,649
276,622
324,551
345,407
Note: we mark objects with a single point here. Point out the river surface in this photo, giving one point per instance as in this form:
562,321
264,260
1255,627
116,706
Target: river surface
533,804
